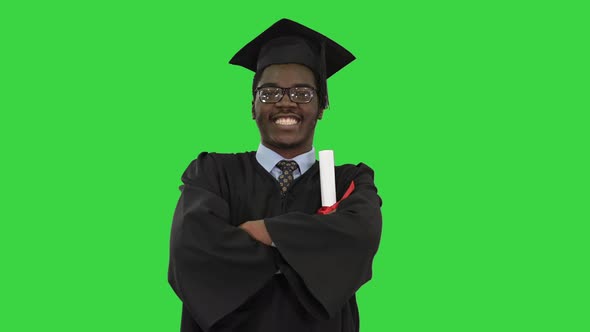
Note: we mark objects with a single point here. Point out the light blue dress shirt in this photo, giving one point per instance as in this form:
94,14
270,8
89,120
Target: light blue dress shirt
269,159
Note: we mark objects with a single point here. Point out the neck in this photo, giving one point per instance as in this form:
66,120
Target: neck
289,152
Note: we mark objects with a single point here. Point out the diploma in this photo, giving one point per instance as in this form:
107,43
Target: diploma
327,178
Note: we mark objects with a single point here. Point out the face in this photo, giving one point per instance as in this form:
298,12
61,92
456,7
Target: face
287,127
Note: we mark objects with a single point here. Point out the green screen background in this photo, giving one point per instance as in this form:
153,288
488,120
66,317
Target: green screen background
472,114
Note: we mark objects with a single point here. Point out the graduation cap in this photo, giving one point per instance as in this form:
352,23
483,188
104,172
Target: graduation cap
287,41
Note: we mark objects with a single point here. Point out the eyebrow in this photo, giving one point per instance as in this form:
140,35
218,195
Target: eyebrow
274,85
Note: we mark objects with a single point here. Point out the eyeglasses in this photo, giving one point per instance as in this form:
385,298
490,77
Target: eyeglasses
298,94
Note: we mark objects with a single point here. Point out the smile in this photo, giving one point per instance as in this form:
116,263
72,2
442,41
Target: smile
286,121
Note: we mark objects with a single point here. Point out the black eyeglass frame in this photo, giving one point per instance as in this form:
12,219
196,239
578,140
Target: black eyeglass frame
285,90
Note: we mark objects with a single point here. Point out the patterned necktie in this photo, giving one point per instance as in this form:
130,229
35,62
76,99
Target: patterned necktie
286,178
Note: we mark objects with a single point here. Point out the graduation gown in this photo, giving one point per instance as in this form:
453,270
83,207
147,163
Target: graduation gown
228,281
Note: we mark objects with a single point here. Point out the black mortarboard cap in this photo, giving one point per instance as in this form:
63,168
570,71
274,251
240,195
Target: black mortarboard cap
287,41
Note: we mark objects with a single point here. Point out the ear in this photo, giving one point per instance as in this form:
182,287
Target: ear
253,111
320,114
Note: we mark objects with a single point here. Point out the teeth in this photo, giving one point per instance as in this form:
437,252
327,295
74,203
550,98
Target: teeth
286,121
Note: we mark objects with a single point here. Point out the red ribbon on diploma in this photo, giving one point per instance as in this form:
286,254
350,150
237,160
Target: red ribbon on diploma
330,209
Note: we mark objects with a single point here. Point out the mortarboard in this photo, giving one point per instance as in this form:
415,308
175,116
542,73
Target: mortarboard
287,41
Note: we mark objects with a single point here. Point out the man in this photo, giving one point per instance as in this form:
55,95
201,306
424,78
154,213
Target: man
249,252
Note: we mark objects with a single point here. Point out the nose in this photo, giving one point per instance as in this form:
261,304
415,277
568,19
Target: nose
286,101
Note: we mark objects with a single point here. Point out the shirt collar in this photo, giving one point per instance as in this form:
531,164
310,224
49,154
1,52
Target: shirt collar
269,159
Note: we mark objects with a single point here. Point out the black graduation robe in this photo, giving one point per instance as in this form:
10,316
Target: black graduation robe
227,281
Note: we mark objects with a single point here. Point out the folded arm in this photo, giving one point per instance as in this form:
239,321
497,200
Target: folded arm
331,255
214,266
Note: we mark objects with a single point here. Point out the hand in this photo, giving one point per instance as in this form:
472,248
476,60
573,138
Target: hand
257,230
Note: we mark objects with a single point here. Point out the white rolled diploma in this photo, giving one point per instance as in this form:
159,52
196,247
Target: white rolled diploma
327,178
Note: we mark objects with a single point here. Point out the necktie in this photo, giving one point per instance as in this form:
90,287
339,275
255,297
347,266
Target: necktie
286,178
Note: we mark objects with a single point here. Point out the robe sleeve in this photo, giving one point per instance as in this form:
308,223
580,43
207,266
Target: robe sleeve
330,256
214,266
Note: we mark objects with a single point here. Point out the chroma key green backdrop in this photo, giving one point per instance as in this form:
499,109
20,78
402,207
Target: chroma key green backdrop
473,114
